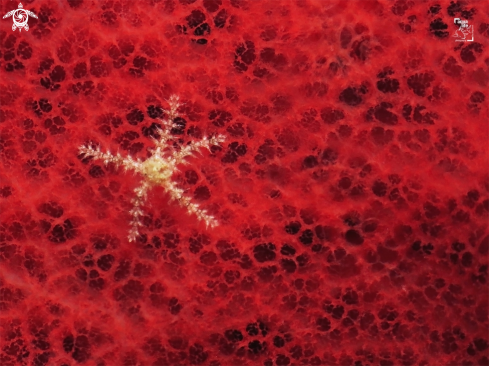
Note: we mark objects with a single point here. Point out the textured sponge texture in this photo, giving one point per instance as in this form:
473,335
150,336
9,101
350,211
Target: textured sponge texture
351,190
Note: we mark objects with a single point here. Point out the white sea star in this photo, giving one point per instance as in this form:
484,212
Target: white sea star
158,169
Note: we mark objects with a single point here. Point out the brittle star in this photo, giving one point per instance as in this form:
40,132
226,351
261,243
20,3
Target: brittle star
159,168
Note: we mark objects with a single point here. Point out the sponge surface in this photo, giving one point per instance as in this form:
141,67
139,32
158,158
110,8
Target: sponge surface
351,190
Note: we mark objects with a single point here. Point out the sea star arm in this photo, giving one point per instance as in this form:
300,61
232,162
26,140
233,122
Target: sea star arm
177,194
164,135
137,212
174,103
168,123
128,163
189,149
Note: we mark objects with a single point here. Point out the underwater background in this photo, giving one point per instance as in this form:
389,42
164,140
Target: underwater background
351,191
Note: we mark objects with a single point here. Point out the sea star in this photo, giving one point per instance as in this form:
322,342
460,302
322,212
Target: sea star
159,168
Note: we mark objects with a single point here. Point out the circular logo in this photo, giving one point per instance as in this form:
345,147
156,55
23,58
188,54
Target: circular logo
20,18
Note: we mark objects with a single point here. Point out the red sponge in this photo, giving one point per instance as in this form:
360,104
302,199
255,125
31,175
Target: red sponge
340,147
